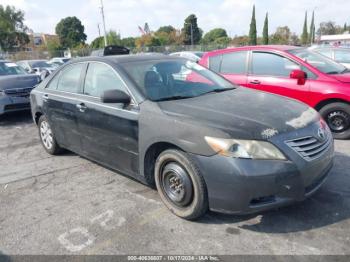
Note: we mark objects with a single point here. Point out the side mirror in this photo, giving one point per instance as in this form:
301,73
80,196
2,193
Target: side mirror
115,96
299,75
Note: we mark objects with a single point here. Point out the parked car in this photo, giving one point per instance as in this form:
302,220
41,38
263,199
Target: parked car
191,55
58,61
15,86
111,50
204,142
38,67
338,54
293,72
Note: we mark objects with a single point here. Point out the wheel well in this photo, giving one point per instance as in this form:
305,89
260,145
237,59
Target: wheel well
329,101
151,156
37,117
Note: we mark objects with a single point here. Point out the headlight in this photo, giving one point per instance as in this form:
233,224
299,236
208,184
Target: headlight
251,149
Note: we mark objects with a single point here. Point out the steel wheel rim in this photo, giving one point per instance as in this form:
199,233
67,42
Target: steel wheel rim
46,134
338,121
176,184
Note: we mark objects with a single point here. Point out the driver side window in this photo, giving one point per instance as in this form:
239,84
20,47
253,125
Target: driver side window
101,77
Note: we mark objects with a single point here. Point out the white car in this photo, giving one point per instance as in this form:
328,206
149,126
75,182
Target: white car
338,54
58,61
194,56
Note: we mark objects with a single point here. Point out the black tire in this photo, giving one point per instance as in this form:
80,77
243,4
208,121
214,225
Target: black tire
337,116
192,200
54,148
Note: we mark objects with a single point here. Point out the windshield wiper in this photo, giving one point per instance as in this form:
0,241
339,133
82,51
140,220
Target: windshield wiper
333,73
172,98
218,90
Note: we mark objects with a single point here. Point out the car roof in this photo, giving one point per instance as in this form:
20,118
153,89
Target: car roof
127,58
260,47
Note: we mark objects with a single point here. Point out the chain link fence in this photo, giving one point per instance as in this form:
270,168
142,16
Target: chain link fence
45,54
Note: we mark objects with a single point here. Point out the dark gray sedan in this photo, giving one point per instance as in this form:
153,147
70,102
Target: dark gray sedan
15,86
203,142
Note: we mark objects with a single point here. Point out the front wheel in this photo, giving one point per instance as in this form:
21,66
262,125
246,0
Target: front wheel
337,116
180,185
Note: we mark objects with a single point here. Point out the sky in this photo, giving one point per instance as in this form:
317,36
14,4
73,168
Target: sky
124,16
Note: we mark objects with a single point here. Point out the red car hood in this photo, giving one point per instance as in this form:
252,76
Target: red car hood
345,78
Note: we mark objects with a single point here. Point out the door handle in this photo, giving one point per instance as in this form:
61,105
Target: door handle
45,97
255,82
82,107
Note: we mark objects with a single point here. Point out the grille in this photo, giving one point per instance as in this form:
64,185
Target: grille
18,92
310,147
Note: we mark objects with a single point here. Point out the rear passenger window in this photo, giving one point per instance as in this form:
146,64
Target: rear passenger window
69,79
234,63
215,62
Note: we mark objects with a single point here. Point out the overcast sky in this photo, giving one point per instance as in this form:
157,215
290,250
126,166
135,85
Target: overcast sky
125,15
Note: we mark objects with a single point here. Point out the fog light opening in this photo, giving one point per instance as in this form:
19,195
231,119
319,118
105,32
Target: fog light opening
262,200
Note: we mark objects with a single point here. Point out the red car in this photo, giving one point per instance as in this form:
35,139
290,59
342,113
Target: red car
293,72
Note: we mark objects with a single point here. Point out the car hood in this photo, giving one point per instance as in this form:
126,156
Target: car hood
18,81
243,113
344,78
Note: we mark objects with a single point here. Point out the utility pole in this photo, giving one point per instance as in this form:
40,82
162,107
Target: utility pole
104,23
99,30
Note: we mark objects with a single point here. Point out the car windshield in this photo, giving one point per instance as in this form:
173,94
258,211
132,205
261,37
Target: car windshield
174,79
10,68
40,64
319,61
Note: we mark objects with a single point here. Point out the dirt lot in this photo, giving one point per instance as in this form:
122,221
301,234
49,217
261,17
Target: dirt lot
69,205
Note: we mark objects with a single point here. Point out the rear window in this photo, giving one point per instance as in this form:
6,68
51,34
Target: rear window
234,63
215,63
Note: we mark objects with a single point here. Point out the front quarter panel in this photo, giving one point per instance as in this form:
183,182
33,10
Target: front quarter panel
157,127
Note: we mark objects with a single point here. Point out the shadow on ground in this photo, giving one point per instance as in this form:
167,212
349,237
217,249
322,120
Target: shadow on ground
15,118
331,204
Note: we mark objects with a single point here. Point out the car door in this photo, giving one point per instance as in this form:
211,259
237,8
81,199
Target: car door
109,131
233,66
60,105
270,72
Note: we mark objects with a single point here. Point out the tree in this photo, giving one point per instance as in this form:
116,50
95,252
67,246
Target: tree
252,29
166,29
128,41
147,41
311,38
281,36
240,40
12,29
213,35
266,30
329,28
98,42
345,29
304,35
191,23
54,47
71,32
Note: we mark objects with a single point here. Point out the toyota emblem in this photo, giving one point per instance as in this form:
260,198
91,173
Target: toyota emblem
321,134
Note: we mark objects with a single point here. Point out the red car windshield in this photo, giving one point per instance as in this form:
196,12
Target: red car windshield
321,62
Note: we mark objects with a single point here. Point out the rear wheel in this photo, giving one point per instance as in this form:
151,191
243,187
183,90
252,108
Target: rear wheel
180,185
337,116
47,137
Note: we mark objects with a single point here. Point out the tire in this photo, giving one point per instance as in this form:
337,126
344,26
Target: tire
47,137
337,116
180,185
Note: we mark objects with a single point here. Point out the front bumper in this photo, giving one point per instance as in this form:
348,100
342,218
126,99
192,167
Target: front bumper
243,186
13,104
